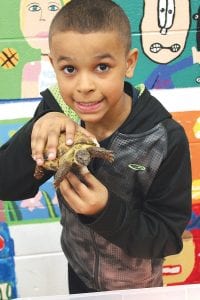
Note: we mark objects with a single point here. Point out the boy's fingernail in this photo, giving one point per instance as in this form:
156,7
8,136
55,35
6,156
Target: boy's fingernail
51,155
69,142
39,161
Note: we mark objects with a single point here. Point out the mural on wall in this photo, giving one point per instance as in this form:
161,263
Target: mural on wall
8,288
167,34
196,17
37,75
177,269
9,58
24,62
169,21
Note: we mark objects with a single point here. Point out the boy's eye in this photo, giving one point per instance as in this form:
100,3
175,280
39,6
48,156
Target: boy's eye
69,70
102,67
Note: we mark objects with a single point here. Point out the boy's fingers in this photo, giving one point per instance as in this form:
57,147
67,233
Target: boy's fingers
37,144
48,143
52,144
70,129
46,132
37,150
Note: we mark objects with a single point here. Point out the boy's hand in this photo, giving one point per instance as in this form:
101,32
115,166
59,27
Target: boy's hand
46,131
87,198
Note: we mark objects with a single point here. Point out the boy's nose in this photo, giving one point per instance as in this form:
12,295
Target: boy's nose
85,83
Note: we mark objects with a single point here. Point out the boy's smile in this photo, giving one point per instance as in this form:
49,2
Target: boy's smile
90,70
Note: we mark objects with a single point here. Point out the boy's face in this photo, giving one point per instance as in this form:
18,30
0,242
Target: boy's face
90,70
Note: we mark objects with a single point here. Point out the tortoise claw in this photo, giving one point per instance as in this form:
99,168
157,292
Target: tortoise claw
61,173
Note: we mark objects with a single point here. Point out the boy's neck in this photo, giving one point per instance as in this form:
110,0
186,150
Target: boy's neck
106,128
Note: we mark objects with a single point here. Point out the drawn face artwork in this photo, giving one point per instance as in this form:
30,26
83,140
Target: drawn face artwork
164,29
178,267
35,19
196,17
5,291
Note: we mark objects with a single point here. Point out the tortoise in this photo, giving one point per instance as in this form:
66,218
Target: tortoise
72,158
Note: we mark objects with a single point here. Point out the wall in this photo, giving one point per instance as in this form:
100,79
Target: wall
31,260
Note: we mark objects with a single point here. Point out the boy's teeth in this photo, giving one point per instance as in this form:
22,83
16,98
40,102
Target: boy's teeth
87,104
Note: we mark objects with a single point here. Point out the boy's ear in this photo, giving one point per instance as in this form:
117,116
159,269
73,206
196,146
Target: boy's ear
50,59
131,62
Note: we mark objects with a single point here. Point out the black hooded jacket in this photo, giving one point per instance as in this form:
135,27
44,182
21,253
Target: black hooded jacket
149,187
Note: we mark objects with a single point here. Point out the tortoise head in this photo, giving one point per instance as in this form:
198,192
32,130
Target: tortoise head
82,157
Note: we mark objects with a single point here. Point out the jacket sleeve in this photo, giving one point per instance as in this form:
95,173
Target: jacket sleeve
155,229
16,164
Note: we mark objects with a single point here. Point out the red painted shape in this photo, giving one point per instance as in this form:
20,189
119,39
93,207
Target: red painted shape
2,243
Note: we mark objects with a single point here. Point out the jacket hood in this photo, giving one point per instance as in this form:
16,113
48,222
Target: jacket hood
147,111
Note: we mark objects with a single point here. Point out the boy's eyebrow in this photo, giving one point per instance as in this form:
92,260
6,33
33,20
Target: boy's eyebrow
61,58
104,55
98,56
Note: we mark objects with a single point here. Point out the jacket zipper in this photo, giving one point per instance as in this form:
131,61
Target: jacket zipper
96,262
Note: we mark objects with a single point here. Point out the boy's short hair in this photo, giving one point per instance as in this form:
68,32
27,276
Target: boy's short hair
86,16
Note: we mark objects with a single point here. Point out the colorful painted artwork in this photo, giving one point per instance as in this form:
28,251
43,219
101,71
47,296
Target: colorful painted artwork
37,75
167,35
8,288
184,268
24,62
171,55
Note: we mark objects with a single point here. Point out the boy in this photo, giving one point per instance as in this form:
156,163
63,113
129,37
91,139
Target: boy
127,216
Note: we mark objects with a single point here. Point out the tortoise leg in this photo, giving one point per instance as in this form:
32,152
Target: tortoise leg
61,173
100,152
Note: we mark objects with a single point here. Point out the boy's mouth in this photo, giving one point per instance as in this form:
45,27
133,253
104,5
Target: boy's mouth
88,107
